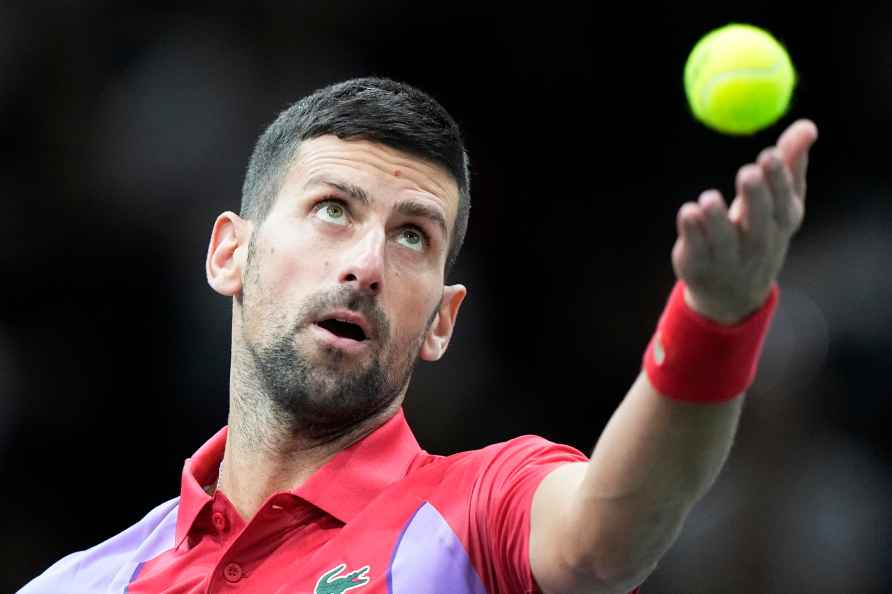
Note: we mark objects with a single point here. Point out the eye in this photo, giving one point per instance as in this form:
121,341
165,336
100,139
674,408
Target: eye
413,239
332,211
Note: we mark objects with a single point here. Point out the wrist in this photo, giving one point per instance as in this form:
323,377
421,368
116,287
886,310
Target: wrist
724,313
696,359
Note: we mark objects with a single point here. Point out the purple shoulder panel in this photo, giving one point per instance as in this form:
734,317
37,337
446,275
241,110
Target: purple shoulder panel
429,557
108,567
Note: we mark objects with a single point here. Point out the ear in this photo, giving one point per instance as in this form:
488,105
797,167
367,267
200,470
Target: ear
227,252
440,331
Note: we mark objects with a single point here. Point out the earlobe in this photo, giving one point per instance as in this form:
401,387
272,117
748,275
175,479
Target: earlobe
225,260
439,334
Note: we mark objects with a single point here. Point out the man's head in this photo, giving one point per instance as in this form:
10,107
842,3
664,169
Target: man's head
354,207
379,110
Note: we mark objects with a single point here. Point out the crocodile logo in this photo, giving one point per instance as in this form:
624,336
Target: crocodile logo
332,583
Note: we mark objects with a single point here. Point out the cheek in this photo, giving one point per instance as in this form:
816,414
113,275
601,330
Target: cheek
415,309
295,264
278,277
275,293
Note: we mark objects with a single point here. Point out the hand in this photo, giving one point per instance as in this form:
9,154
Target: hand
729,258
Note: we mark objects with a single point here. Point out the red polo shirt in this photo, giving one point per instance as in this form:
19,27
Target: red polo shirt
381,517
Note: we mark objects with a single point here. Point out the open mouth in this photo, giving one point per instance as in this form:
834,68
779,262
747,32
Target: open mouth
343,329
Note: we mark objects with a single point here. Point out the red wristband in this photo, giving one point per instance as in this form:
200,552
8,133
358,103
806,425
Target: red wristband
695,359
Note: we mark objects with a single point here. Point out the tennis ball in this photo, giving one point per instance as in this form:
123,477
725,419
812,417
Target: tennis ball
738,79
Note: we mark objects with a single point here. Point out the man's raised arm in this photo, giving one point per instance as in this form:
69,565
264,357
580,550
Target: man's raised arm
602,526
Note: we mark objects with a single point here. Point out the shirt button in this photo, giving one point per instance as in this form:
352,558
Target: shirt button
232,572
276,507
219,521
273,511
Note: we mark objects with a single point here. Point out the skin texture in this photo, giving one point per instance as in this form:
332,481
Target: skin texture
345,234
602,526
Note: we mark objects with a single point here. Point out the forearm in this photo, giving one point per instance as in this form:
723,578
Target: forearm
660,450
655,459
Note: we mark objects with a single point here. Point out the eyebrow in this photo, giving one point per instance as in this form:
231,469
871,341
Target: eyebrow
351,190
409,208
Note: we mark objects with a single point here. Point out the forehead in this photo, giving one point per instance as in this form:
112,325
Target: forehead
389,170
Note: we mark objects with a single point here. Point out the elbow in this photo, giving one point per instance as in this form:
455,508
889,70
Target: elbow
607,570
603,580
622,557
621,579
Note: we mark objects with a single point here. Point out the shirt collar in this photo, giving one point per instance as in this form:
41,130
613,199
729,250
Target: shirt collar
357,474
199,470
342,487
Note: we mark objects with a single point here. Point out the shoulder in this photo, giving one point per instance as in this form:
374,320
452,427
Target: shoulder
110,564
522,454
488,474
530,447
500,482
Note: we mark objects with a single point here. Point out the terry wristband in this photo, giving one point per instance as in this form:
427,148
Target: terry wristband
695,359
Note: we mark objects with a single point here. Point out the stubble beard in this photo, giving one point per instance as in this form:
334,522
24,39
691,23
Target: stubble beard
325,397
322,396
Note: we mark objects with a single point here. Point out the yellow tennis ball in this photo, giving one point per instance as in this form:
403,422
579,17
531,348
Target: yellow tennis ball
739,79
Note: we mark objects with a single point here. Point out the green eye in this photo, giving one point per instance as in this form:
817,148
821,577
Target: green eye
412,239
332,212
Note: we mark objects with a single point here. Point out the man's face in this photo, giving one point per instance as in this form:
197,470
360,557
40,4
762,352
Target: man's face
342,284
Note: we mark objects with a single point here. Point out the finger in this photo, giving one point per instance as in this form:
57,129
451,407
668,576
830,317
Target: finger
690,254
794,145
757,203
736,211
787,212
720,231
690,228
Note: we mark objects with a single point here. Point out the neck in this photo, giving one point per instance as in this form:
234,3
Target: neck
265,455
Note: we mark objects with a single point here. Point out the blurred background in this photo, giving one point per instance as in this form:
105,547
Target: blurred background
128,126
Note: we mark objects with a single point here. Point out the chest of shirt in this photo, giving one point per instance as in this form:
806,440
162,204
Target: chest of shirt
400,543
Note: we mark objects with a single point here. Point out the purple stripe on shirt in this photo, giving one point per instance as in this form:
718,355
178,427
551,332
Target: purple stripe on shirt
430,558
108,567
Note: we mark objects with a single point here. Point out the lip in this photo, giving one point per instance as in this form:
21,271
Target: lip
344,344
345,315
347,345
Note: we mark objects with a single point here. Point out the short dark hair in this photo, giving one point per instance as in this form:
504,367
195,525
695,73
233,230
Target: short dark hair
374,109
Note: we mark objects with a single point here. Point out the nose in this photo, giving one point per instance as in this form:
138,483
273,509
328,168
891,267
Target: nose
364,262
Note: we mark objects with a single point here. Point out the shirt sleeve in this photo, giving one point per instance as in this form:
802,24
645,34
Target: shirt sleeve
501,504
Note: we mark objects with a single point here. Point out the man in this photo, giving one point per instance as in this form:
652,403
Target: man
354,209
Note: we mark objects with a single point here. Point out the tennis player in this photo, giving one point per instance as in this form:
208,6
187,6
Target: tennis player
354,209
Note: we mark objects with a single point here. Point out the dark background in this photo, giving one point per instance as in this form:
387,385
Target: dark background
127,128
